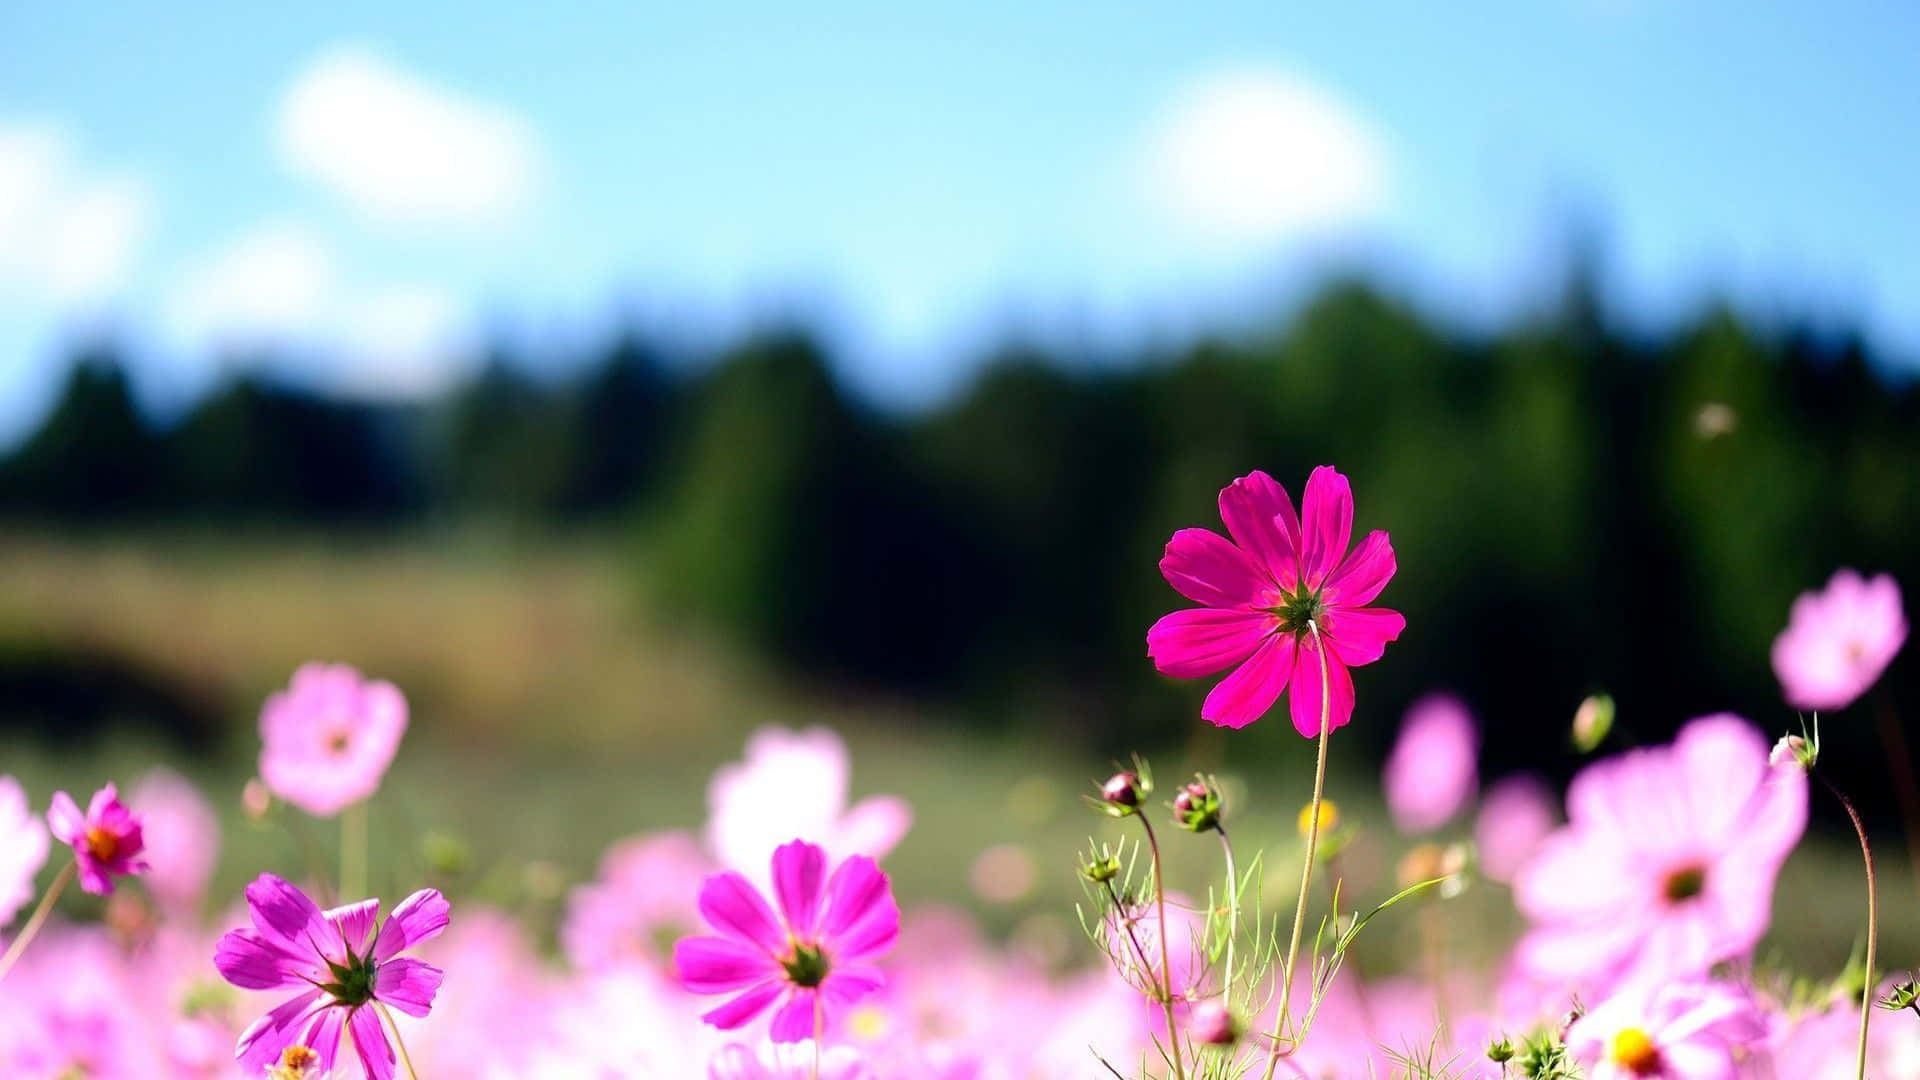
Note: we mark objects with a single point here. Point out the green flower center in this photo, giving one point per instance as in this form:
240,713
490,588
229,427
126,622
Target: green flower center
1684,884
352,981
807,966
1299,609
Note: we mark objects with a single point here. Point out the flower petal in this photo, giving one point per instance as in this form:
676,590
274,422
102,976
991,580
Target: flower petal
1327,520
408,985
354,923
1245,695
798,870
370,1042
1305,699
322,1036
1363,573
861,916
1206,569
798,1019
733,906
419,918
743,1007
65,821
873,827
1357,636
284,915
265,1038
716,965
851,982
249,961
1259,516
1193,642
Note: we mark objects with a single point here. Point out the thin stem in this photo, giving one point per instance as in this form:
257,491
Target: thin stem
1306,867
1120,913
1166,948
35,921
819,1034
353,852
412,1073
1873,921
1900,764
1233,914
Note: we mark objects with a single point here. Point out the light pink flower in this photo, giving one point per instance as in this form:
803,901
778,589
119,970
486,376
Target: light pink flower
812,959
1433,769
106,840
1667,863
327,739
786,1061
1262,591
794,783
23,848
182,836
1677,1031
1516,816
1839,640
642,901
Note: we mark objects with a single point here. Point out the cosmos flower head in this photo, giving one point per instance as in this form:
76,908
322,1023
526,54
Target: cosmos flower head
23,848
1676,1031
327,739
1433,769
1667,862
182,838
794,783
107,840
1839,640
1279,597
809,961
343,963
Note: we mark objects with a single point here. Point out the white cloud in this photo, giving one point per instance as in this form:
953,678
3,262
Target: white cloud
407,341
399,147
68,235
1254,157
272,284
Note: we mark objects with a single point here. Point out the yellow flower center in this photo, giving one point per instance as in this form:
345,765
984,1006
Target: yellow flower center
102,845
1634,1049
1329,818
296,1063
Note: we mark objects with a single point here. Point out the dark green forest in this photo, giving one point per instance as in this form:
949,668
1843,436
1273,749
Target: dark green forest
1576,507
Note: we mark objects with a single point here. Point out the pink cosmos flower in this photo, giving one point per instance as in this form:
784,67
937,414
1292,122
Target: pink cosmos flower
1679,1031
1667,862
327,739
342,961
1264,592
1516,815
813,957
106,840
794,783
182,838
23,849
1433,770
1838,641
641,902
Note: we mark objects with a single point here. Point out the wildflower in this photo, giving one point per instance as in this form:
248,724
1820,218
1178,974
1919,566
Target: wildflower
794,783
1516,815
327,739
1839,640
182,838
1679,1031
346,965
1196,807
639,904
107,840
1273,598
23,848
1667,862
1431,773
810,959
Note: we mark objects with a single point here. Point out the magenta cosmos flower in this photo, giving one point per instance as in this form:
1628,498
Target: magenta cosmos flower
1679,1031
1265,591
342,962
814,957
106,840
1433,770
23,848
327,739
1667,861
1839,640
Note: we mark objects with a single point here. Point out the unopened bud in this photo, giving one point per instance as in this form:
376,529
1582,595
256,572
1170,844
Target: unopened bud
1794,750
1197,806
255,800
1903,995
1591,723
1101,866
1121,789
1500,1051
1213,1024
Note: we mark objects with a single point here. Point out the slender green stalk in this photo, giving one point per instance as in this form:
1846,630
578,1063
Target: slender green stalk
1166,949
1233,914
819,1035
1873,921
398,1042
353,852
1306,867
35,920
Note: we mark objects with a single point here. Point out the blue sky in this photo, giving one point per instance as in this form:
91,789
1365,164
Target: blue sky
383,185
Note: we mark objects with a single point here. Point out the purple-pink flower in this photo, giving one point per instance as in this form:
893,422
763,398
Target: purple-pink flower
344,963
1433,769
23,848
1516,815
106,840
811,959
182,838
1676,1031
1839,640
1667,862
327,739
1281,591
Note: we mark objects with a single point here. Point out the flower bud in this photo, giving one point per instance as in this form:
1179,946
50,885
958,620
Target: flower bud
255,800
1100,867
1122,789
1213,1024
1591,723
1500,1051
1197,806
1794,750
1903,995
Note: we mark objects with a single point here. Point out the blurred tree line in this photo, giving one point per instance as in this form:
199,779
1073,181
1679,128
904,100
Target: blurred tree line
1575,507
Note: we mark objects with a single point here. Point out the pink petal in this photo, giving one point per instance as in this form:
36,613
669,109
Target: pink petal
743,1007
798,869
419,918
266,1037
1357,636
284,915
65,821
248,961
1327,520
323,1036
1208,570
354,923
408,985
732,906
798,1019
1192,642
1363,573
1245,695
715,965
1260,518
851,982
370,1042
857,891
102,802
1305,699
873,827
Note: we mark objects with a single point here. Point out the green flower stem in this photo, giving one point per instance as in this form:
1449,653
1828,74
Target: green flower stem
398,1042
1233,914
1166,949
1873,921
1306,867
38,918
